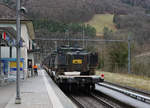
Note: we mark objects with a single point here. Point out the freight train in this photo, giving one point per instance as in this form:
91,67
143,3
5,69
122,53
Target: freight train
73,67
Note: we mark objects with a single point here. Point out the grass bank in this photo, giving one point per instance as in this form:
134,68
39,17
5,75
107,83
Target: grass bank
129,80
99,21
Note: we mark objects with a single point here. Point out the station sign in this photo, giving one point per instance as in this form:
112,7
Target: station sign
10,41
4,35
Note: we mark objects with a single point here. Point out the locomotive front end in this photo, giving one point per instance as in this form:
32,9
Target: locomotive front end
77,61
75,66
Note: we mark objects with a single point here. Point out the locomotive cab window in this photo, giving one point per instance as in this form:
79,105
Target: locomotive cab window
78,57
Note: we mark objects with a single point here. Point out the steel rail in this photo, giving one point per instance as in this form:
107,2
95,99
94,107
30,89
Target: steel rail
127,92
105,103
80,105
99,100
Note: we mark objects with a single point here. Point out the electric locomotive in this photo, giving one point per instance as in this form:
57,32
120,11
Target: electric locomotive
74,66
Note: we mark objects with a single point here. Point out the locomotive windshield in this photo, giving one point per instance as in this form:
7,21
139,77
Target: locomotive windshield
78,57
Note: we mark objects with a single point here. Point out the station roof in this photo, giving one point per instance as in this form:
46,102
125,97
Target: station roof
7,13
8,16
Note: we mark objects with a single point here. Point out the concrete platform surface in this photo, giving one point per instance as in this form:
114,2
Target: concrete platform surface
6,92
40,92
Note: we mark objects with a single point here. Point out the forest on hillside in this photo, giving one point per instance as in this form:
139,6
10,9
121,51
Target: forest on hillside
57,17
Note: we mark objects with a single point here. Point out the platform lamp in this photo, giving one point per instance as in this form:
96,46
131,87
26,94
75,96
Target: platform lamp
18,28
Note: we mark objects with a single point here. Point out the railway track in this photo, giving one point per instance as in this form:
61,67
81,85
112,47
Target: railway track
78,103
88,101
94,100
104,102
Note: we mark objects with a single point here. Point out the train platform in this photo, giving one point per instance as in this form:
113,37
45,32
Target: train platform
41,92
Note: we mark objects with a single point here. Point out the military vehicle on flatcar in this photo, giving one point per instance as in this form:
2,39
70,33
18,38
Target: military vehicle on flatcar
73,66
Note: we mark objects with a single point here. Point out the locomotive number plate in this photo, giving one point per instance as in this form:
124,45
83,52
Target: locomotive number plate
77,61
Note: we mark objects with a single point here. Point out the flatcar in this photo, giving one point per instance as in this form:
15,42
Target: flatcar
73,66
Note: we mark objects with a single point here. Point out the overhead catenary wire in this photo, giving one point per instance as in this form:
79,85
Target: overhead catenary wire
73,39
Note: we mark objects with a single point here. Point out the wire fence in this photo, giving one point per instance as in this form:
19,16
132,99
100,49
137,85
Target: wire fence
136,68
